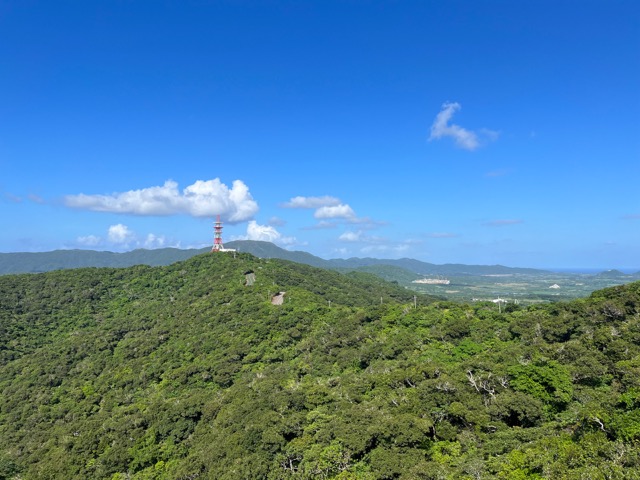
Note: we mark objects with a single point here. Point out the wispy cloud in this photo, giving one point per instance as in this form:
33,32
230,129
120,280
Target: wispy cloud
10,197
277,222
154,241
467,139
121,237
502,222
385,248
633,216
89,241
311,202
351,236
201,199
322,225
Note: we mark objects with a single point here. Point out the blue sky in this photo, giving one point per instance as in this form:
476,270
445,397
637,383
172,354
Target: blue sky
477,132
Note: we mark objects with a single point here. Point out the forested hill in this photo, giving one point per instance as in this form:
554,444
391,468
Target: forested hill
190,371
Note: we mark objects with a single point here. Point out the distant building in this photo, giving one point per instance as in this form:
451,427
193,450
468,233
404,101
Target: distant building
555,286
433,281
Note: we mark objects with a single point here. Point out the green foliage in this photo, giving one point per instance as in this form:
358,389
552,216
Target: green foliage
545,380
184,372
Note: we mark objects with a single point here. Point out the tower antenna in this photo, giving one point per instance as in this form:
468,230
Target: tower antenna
217,235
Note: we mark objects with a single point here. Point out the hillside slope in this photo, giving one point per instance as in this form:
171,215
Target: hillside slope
185,371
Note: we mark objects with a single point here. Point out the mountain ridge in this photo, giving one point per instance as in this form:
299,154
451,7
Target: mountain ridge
37,262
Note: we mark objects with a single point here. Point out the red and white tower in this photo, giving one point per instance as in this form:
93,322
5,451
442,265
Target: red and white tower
217,236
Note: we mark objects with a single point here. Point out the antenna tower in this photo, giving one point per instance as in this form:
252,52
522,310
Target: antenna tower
217,235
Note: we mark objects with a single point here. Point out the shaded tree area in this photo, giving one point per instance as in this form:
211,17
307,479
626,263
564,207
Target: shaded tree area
185,372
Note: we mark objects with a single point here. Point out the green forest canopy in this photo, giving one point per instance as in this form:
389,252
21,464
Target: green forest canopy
185,372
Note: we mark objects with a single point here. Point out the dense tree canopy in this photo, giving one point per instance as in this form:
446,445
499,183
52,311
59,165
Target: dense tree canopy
189,371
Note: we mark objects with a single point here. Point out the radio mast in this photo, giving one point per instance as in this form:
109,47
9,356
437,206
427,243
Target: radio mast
217,237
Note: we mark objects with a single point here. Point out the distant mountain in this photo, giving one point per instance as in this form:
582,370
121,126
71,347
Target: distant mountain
26,262
424,268
63,259
614,274
390,273
269,250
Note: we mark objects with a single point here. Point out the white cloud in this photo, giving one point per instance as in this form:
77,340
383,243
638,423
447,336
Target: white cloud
491,135
328,208
262,232
322,225
335,211
202,199
464,138
311,202
266,233
351,236
362,237
377,248
120,234
154,241
121,237
89,240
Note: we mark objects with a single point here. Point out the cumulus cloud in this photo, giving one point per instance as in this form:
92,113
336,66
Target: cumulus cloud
502,223
266,233
464,138
202,199
120,234
330,211
311,202
336,211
